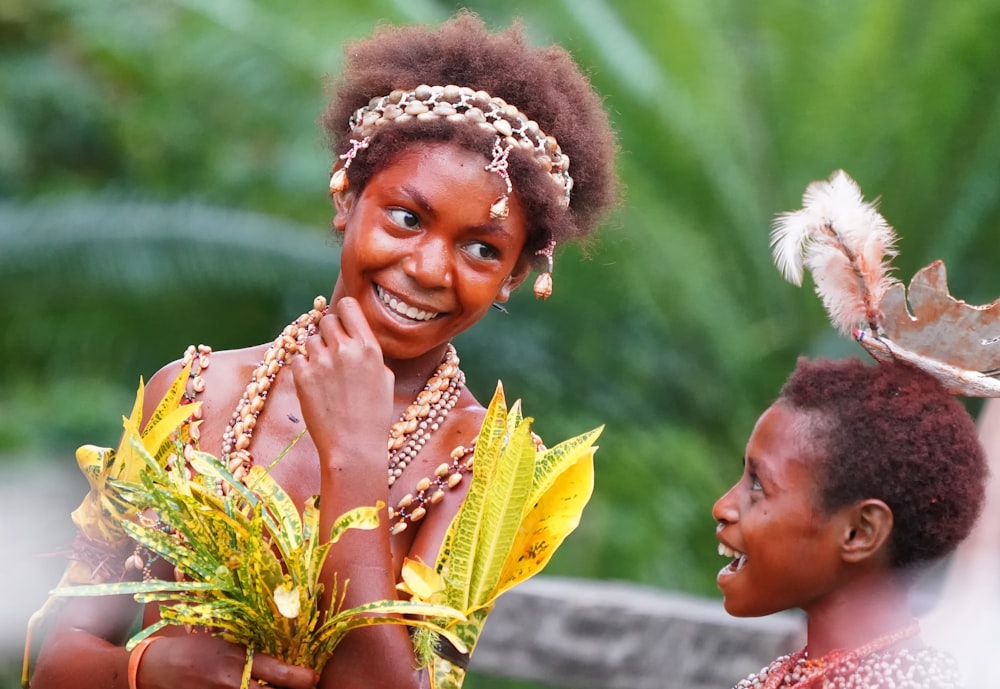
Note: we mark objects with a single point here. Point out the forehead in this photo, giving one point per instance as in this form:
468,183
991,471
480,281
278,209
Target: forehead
442,154
785,444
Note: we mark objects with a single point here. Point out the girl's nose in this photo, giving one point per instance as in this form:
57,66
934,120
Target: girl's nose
430,265
724,510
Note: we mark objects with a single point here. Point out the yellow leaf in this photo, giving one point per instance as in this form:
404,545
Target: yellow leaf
503,509
421,581
549,521
456,560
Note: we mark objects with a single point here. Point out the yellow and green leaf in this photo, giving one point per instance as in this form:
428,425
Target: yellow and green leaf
521,504
547,523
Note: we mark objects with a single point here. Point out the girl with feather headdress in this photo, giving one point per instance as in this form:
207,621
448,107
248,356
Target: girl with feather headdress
860,474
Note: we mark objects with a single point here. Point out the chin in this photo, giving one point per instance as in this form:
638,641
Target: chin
734,608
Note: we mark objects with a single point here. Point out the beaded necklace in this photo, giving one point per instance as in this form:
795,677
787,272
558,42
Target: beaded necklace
869,665
406,437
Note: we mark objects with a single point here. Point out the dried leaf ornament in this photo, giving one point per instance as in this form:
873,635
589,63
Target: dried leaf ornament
847,247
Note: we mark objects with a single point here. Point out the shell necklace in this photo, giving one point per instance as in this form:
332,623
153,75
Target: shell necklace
406,437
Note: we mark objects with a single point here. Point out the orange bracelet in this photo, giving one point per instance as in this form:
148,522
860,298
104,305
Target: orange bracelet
135,656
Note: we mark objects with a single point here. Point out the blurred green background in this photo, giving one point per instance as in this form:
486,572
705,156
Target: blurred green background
163,182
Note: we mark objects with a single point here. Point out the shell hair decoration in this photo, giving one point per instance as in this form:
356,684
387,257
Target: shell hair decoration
459,104
847,246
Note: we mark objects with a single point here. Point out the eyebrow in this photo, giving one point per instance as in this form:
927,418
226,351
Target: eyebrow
492,227
755,467
418,198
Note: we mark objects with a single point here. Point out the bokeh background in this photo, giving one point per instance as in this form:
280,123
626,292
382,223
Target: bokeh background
163,182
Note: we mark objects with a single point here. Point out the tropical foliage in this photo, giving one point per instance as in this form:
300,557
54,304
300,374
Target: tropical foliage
160,162
247,564
522,504
104,516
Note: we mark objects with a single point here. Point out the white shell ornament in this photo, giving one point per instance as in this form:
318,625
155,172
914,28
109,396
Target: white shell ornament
339,181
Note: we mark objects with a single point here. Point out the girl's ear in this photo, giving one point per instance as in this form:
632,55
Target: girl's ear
866,530
514,280
343,203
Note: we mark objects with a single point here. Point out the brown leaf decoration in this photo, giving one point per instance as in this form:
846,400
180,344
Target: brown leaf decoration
942,327
957,343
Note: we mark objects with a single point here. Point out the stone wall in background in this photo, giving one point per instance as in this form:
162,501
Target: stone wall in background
583,634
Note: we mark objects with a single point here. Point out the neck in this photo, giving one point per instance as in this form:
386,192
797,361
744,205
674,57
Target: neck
411,374
869,607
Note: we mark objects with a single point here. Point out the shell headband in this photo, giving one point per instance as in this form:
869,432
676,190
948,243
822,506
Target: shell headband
463,104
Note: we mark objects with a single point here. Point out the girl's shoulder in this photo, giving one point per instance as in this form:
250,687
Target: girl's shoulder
215,378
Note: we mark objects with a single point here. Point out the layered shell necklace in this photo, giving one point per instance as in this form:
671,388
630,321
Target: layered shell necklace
406,437
871,665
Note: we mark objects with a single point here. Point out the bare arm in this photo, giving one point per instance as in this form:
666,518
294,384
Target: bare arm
83,644
84,640
344,378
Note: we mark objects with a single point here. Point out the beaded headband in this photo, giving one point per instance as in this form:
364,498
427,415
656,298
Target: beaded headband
461,104
464,104
846,244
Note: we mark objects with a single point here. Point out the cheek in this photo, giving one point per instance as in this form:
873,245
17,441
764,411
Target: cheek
369,243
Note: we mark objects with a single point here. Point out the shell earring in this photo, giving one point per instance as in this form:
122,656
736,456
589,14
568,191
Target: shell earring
543,283
338,177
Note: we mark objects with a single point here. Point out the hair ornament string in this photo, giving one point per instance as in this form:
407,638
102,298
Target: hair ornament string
543,283
338,178
500,165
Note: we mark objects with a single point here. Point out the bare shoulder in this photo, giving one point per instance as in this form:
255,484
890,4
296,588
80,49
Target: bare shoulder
466,420
224,375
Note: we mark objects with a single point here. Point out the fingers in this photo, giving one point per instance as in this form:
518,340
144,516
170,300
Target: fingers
278,674
198,660
343,333
352,320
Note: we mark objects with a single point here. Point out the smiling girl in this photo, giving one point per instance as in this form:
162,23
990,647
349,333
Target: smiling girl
451,182
854,479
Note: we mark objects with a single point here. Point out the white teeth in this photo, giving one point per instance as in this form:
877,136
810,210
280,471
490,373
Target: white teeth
726,551
403,308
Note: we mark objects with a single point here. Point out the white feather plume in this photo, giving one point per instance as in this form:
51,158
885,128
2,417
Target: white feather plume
845,243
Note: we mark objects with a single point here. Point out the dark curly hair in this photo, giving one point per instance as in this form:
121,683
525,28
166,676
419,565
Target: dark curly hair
544,83
892,432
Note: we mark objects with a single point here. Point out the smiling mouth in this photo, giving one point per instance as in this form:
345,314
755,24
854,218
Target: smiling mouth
738,558
400,307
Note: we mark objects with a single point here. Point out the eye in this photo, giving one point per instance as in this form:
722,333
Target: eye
482,251
755,484
404,218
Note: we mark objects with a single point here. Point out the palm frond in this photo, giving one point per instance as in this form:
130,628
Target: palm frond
113,244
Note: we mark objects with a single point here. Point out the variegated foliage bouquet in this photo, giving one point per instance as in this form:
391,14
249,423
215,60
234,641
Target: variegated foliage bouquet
250,562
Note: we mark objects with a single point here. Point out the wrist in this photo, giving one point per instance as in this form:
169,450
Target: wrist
355,456
135,657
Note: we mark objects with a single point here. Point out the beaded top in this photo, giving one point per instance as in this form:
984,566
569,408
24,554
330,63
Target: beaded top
924,668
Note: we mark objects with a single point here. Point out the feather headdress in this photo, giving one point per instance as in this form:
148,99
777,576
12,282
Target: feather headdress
845,243
847,247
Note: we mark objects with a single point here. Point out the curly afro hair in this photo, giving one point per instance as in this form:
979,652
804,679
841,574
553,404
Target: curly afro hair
892,432
545,83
